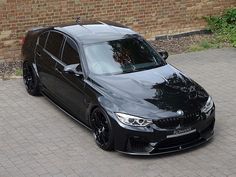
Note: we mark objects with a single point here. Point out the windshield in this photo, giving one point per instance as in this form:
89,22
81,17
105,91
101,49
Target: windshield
121,56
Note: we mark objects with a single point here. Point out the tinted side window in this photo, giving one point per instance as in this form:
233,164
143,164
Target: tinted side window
70,54
54,43
43,38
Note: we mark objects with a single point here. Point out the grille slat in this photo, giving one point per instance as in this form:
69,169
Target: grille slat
185,120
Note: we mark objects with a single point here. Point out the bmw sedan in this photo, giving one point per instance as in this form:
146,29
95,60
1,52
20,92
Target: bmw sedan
111,80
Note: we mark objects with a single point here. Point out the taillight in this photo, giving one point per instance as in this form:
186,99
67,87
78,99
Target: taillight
22,41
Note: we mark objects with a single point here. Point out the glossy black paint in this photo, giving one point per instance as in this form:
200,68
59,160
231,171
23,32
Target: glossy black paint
158,92
153,94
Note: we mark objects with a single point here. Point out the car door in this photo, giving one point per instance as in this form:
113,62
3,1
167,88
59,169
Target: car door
71,87
40,61
47,56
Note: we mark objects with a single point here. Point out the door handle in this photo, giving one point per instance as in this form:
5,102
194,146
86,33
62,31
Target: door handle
37,53
58,70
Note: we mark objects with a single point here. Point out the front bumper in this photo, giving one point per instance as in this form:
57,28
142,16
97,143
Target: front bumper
153,140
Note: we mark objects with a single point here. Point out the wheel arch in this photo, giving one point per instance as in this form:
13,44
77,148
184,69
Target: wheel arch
90,111
33,64
92,108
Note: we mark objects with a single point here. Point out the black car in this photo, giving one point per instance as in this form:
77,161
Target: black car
110,79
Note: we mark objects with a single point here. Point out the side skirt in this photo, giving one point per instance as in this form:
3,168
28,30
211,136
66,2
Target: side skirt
78,121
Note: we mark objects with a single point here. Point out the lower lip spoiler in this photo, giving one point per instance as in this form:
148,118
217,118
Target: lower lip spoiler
181,134
173,149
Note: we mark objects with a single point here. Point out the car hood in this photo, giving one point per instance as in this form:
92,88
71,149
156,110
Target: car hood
152,92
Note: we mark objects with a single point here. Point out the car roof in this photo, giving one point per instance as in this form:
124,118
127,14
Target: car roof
95,31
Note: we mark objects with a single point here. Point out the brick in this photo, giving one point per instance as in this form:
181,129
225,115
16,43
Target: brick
149,18
5,34
3,1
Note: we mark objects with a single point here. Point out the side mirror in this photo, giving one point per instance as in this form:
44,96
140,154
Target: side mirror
164,54
73,69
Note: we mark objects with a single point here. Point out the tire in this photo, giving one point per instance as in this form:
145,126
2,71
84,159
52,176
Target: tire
102,129
31,80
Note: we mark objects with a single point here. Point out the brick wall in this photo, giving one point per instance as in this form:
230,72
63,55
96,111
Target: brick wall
148,17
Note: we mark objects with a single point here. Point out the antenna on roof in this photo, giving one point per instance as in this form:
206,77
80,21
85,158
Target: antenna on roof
78,20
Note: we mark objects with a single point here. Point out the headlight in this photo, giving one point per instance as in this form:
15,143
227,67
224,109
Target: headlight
209,104
132,120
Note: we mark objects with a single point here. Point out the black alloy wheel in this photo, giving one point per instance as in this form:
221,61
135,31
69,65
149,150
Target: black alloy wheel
102,129
30,80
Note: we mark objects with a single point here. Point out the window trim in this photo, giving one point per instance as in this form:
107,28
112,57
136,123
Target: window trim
79,49
62,50
45,40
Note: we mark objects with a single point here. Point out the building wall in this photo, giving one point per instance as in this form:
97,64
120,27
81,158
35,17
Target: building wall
148,17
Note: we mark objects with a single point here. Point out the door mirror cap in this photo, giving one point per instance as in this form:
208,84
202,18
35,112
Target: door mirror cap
164,54
73,69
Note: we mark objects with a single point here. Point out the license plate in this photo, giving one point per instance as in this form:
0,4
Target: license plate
181,132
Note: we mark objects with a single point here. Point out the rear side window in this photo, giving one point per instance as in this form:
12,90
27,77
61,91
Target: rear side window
54,43
43,38
70,54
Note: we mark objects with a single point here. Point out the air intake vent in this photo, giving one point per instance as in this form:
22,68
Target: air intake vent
185,120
